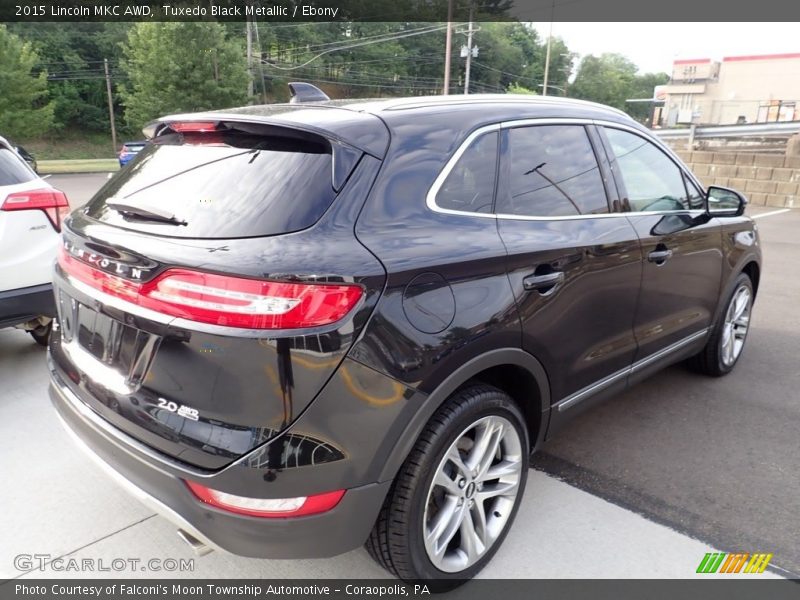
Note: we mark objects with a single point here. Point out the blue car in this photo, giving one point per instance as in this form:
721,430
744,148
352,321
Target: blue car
129,151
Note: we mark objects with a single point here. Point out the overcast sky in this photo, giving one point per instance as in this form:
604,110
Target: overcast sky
653,46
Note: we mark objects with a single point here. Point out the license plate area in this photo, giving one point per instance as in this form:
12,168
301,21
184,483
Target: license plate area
105,349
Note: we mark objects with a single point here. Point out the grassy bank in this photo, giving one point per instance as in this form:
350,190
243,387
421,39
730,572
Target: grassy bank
71,145
95,165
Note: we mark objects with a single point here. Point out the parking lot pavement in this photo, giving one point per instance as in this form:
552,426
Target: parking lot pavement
79,187
718,459
62,504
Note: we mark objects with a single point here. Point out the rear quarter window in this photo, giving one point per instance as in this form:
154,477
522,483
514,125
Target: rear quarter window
13,169
223,185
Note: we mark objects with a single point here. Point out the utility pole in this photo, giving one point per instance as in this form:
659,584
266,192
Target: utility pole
260,65
469,52
547,54
448,43
249,33
547,60
110,107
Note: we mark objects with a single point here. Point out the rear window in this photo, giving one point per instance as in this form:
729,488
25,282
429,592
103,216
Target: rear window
12,168
222,185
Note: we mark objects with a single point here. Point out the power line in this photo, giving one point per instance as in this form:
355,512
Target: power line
475,62
358,45
388,35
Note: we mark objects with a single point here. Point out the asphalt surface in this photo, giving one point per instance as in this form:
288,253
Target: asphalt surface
58,503
678,466
718,459
79,188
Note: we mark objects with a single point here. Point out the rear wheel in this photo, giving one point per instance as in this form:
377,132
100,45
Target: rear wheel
726,343
456,495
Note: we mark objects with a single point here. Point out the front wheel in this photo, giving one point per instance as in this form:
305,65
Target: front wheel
457,493
725,345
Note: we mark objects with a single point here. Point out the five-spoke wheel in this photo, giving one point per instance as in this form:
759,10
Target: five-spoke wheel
457,494
472,493
737,321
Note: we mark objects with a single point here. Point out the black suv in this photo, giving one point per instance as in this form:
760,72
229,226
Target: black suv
295,329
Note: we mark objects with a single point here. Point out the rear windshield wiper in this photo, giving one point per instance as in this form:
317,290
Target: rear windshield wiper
141,211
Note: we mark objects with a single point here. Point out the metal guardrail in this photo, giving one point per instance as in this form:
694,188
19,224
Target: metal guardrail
786,129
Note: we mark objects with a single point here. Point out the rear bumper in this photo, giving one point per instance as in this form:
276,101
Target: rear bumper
24,304
159,484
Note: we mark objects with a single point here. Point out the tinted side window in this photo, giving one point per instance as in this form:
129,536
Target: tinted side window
12,169
652,181
552,172
469,186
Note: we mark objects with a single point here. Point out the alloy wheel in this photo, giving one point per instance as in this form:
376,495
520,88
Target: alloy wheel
472,494
737,322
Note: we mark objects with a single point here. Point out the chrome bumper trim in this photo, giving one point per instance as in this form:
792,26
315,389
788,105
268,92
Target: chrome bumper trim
145,498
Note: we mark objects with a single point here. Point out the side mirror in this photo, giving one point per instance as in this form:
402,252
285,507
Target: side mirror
725,202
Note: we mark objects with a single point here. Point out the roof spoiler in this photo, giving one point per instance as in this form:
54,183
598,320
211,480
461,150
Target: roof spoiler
305,92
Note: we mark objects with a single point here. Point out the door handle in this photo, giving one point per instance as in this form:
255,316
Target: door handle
659,256
544,284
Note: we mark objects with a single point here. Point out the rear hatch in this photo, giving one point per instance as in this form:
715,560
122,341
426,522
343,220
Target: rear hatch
208,291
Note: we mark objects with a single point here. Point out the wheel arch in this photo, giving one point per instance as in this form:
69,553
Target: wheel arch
753,270
750,265
512,370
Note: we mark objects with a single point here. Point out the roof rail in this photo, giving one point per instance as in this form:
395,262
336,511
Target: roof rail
305,92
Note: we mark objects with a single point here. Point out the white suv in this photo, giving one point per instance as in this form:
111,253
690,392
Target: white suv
31,212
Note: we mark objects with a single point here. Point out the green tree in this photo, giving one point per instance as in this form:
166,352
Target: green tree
24,107
642,87
518,89
73,54
177,67
608,79
508,53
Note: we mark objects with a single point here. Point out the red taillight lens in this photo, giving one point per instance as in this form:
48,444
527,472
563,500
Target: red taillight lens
267,507
193,126
52,202
224,300
239,302
105,282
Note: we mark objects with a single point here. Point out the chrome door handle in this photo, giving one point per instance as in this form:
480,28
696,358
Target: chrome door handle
659,256
544,284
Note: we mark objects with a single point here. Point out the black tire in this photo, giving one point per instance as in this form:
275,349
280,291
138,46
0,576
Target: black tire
396,541
42,334
709,361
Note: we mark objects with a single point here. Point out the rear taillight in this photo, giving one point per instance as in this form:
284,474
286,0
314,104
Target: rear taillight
193,126
225,300
52,202
267,507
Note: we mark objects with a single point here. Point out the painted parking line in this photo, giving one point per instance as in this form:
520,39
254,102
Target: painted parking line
772,213
110,175
45,176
